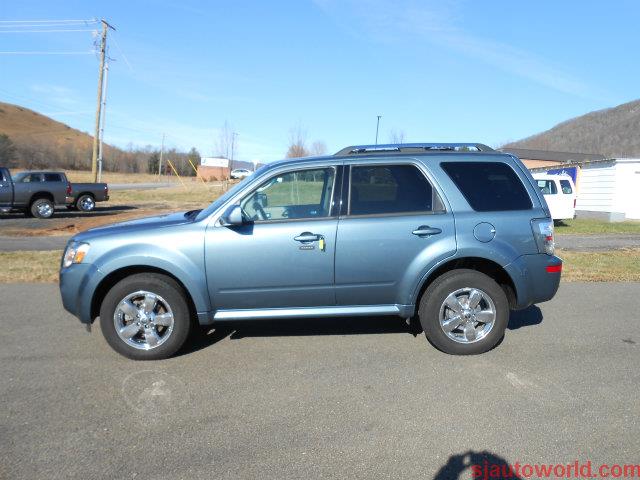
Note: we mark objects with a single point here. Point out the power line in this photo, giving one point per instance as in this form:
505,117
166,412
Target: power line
92,20
90,52
48,31
124,57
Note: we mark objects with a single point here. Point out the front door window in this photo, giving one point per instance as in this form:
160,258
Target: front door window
302,194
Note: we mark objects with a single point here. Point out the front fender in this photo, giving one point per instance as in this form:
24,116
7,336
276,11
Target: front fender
186,266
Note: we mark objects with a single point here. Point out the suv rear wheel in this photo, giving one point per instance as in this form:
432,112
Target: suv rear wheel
145,317
464,312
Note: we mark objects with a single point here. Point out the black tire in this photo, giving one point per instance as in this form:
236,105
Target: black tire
434,297
170,291
41,208
85,203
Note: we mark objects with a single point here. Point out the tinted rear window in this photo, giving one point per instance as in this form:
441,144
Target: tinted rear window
488,186
52,177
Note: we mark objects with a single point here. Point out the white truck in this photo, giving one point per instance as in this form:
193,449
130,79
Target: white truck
560,193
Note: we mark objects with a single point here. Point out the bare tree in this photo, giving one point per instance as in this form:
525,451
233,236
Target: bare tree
318,148
396,137
297,142
225,142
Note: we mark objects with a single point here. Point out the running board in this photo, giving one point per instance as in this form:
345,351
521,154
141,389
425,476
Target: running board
312,312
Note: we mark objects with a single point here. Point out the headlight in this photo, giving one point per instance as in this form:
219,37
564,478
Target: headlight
74,253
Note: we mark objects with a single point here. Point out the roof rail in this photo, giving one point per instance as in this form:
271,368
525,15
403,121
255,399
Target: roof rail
413,148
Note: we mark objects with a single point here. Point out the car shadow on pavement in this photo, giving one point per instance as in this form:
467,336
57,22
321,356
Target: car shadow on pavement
481,465
209,335
67,213
97,212
525,318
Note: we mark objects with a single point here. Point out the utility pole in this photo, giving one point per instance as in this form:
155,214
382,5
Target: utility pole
233,146
161,155
104,110
378,127
103,49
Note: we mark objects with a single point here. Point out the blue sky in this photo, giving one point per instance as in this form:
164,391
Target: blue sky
436,70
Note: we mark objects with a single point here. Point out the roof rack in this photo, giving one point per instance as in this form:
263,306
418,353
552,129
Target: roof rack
413,148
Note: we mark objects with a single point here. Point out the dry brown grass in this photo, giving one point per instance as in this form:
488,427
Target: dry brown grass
29,266
81,176
614,266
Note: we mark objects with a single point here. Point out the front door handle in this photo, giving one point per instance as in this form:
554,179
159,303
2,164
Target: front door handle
307,237
426,230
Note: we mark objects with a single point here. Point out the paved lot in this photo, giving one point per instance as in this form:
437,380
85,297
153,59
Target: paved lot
581,243
349,398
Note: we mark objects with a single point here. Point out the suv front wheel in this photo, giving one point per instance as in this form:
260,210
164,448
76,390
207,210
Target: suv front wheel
464,312
145,317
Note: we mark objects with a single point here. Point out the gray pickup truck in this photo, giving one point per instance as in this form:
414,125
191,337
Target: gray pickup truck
37,193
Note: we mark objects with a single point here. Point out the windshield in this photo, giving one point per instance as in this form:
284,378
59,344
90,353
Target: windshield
218,202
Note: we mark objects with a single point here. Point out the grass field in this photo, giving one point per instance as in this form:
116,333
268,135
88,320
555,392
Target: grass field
29,266
614,266
81,176
585,226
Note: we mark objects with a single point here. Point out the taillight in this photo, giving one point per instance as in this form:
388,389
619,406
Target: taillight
543,233
69,191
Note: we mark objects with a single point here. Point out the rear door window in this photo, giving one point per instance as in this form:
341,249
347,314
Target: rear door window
52,177
389,189
34,177
547,187
489,186
565,185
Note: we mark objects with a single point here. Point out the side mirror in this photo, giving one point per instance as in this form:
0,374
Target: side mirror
233,216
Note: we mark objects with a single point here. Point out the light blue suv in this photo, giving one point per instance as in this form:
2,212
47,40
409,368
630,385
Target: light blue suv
457,234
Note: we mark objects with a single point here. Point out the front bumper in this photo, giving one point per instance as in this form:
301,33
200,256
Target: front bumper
77,286
536,278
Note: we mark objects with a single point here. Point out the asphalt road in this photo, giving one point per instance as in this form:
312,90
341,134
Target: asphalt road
581,243
348,398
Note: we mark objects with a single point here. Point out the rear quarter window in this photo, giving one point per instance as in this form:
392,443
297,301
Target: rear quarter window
52,177
489,186
566,187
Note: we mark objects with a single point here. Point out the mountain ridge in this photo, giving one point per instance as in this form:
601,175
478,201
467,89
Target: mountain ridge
612,132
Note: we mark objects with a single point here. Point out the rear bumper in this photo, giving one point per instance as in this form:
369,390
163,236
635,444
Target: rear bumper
69,200
77,286
536,278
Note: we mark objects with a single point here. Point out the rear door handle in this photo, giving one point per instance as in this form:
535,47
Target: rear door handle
307,237
426,230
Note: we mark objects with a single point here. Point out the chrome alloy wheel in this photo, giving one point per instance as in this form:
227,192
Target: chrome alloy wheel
467,315
87,204
143,320
45,210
